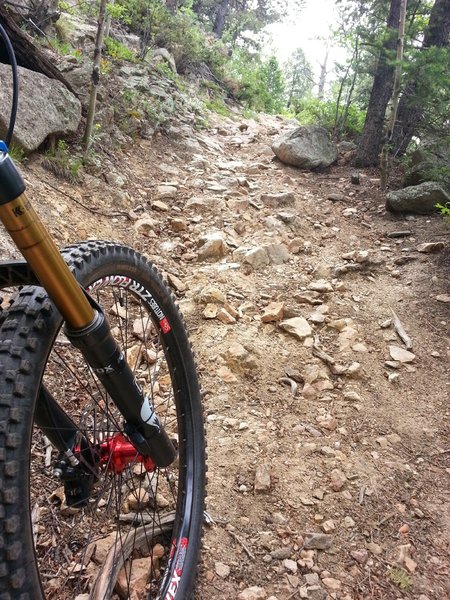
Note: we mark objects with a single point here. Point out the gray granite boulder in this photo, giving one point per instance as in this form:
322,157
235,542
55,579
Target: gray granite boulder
307,147
420,199
430,162
45,107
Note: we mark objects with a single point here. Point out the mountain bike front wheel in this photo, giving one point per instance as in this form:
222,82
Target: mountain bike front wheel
136,533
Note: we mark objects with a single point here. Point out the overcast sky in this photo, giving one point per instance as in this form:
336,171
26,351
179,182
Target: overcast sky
315,21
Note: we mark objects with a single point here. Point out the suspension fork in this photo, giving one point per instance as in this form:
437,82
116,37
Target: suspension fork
85,324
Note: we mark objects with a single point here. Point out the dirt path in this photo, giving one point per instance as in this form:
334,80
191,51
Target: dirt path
307,435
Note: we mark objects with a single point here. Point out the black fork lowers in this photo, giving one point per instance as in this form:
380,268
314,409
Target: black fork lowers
107,360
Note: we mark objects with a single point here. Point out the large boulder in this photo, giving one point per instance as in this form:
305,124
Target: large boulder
45,107
162,55
307,147
430,162
420,199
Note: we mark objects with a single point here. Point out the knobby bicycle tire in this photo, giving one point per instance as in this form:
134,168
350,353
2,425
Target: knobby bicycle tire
139,534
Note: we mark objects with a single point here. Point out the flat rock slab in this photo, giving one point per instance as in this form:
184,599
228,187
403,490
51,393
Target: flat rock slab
45,107
297,326
317,541
401,355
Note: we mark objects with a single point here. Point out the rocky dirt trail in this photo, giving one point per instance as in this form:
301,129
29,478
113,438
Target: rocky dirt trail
327,434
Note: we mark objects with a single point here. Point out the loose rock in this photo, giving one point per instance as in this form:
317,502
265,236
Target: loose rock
317,541
262,478
222,569
298,327
253,593
273,312
338,480
401,355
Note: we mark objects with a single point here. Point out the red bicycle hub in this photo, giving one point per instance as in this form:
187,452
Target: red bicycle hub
117,453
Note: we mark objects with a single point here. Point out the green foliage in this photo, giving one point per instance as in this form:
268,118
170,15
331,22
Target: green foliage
248,113
260,84
65,6
116,49
243,21
429,69
16,153
63,27
136,107
312,111
182,35
400,577
218,106
61,47
118,12
444,209
64,163
299,77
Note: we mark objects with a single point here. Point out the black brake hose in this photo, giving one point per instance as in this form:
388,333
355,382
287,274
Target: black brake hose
15,99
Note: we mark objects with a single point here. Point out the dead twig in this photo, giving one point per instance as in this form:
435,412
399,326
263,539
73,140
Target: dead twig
120,552
289,382
165,523
385,519
35,514
317,351
237,539
334,367
48,451
95,211
362,492
401,331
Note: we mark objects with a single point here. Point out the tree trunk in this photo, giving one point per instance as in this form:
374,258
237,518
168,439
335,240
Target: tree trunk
95,75
339,120
172,6
395,97
221,15
409,111
27,54
372,136
323,76
108,21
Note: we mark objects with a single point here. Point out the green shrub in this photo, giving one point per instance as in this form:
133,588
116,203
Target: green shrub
63,163
259,84
16,153
61,47
313,111
218,106
444,209
190,46
400,577
116,49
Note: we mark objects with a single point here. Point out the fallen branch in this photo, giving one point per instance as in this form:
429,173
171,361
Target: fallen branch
141,519
401,332
334,367
319,353
121,552
241,543
28,55
95,211
289,382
